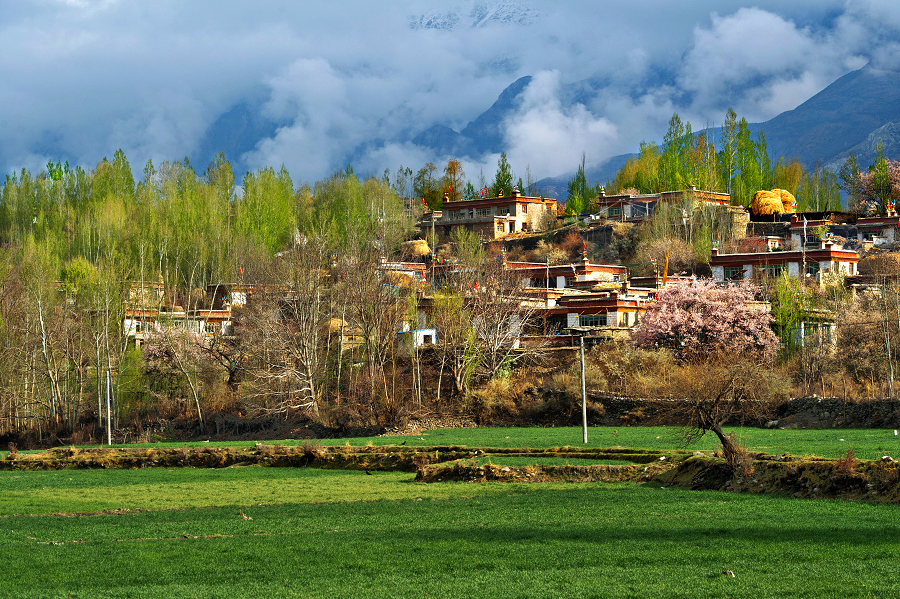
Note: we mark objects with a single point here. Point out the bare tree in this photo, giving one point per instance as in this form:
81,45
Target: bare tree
709,394
174,352
285,330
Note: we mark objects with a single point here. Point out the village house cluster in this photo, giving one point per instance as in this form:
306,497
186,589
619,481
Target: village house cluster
601,302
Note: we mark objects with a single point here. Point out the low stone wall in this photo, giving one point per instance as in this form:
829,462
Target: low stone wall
800,412
835,412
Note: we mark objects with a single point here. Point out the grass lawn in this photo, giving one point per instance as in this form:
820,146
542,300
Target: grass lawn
318,533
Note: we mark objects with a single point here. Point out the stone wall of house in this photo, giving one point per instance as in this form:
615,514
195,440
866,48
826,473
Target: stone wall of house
762,229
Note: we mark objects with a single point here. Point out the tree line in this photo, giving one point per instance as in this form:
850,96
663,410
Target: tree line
81,250
736,162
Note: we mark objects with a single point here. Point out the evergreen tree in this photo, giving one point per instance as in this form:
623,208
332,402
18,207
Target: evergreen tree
580,194
503,179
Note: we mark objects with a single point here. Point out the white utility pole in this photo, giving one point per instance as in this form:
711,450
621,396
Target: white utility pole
583,393
108,411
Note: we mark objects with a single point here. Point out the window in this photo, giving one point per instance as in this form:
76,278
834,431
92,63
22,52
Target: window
615,212
733,273
524,208
483,212
570,281
812,268
593,320
770,271
500,227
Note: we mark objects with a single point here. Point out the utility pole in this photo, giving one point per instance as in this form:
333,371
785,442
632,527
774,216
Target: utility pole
583,393
108,410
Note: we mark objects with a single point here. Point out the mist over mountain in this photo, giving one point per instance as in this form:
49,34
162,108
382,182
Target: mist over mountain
316,87
851,115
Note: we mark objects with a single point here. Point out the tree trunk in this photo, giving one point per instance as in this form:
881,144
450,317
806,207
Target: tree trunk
729,449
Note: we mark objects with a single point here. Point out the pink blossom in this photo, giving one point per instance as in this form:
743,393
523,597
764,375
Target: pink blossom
698,318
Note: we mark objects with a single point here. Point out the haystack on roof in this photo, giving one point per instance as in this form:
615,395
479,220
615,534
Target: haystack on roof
775,201
787,200
880,264
416,247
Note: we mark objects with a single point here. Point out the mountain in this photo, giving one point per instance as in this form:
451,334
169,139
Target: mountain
235,132
888,136
836,119
478,13
851,115
481,136
558,186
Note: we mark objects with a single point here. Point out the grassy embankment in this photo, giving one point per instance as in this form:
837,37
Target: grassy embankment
869,444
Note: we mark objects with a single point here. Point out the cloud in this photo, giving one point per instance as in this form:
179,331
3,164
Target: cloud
355,82
758,63
551,137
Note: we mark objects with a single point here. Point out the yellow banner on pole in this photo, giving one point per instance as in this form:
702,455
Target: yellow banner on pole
666,268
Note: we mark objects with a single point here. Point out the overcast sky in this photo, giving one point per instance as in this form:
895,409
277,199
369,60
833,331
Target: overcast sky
85,77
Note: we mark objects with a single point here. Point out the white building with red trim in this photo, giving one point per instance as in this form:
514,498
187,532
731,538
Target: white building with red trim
827,258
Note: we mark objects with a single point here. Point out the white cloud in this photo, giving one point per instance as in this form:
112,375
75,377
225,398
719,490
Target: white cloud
758,63
84,77
550,137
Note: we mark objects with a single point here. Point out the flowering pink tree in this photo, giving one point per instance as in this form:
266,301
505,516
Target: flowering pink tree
726,341
876,190
697,319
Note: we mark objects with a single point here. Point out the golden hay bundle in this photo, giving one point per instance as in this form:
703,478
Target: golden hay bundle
880,264
787,200
399,278
416,247
766,202
334,325
775,201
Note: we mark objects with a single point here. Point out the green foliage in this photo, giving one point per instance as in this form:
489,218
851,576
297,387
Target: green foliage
266,214
790,303
580,192
428,186
741,167
503,179
79,276
818,191
703,243
467,246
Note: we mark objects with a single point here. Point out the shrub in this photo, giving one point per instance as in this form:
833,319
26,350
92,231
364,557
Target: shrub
846,464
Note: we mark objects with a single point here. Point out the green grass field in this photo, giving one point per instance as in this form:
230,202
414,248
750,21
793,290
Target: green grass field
326,533
345,534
